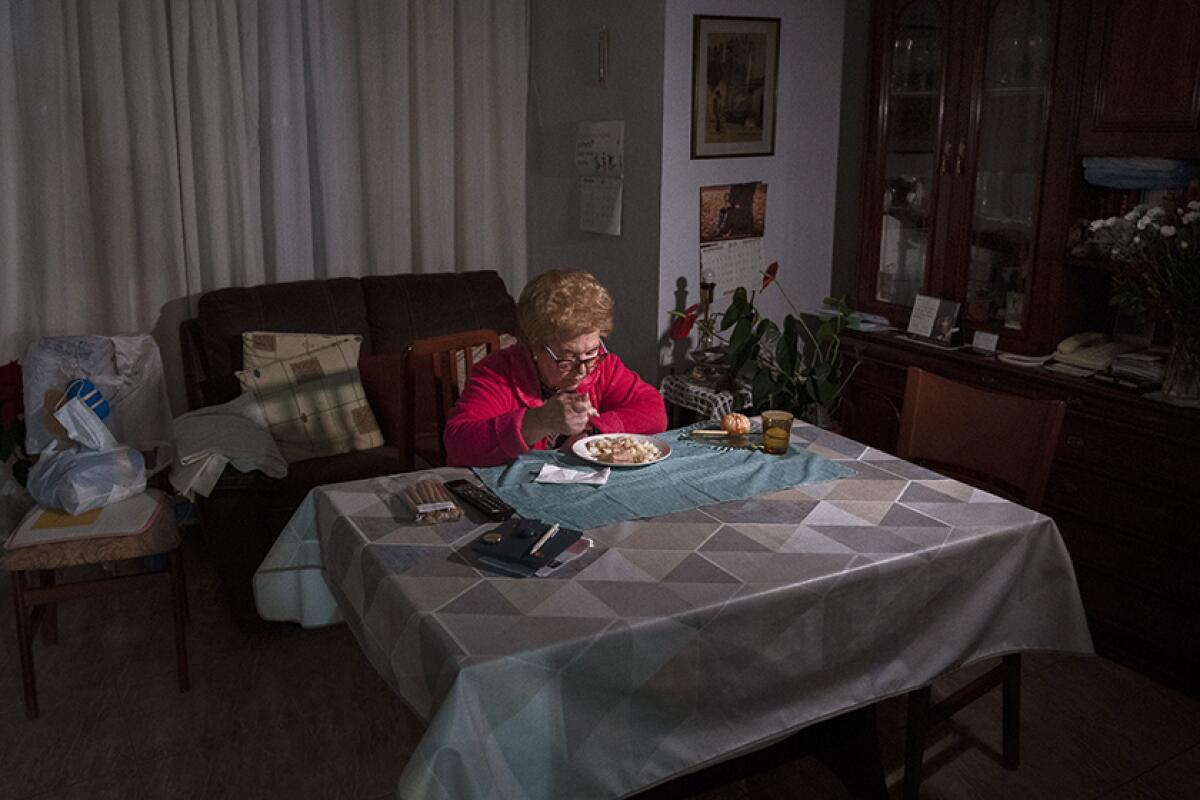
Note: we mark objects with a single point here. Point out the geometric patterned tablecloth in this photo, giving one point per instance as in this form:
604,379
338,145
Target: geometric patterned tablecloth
681,640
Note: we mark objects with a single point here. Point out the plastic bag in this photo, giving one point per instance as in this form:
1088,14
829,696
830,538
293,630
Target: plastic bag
77,480
127,370
89,471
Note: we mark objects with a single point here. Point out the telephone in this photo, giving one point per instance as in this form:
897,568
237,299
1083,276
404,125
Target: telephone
1090,351
1072,343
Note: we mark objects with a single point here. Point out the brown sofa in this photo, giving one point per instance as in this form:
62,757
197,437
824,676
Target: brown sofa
246,511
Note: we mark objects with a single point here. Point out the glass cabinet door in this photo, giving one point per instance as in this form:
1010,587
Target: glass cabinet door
1012,119
913,109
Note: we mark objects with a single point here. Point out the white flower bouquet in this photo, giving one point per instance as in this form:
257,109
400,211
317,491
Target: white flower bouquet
1159,247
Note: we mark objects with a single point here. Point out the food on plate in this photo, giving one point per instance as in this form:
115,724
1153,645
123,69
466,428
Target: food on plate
622,450
735,423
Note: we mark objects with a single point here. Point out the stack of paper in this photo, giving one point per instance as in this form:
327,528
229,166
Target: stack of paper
1140,367
128,517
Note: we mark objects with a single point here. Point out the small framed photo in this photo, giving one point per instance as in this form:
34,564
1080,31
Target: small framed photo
735,65
934,319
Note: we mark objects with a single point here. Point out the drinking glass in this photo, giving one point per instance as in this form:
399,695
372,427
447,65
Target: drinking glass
777,431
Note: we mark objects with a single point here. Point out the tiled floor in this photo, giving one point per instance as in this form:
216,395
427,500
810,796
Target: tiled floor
297,714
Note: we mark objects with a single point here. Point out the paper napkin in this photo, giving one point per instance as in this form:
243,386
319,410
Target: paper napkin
553,474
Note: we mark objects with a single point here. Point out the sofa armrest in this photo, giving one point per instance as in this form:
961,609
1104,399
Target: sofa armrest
383,381
240,524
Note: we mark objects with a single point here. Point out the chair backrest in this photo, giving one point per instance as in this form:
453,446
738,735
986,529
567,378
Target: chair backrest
1001,443
440,366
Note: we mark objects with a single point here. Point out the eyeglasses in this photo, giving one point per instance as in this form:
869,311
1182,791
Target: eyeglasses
566,365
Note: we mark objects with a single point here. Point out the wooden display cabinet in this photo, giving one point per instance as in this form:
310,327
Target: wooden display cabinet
964,96
968,164
1141,95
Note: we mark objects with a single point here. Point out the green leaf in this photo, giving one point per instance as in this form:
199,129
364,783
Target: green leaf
837,304
741,344
737,311
789,346
765,329
763,387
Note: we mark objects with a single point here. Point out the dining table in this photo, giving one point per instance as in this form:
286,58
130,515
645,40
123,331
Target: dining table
680,639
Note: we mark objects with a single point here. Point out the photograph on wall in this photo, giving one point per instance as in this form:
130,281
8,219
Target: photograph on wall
733,211
735,64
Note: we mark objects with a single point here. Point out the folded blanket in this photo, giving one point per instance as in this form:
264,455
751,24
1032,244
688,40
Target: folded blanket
209,438
1129,164
1139,173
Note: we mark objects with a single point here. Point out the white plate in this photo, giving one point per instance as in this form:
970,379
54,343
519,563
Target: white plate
580,449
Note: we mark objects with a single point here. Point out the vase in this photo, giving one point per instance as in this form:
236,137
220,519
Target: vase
1181,379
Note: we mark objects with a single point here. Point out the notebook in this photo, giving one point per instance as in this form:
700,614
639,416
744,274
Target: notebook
517,538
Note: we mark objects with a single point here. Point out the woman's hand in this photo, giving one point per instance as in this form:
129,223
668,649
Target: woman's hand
564,414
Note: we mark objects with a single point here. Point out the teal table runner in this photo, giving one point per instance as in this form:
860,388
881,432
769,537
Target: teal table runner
694,475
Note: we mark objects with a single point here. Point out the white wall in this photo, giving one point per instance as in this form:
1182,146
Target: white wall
649,87
801,176
564,92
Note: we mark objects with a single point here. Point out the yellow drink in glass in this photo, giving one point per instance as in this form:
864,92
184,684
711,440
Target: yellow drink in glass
777,431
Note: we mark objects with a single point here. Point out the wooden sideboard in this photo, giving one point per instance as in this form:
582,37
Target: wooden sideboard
1124,490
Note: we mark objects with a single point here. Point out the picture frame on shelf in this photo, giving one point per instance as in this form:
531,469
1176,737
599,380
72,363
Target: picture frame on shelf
735,69
934,321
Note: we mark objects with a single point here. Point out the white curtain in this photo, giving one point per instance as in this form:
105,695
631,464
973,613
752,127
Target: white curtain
151,150
91,239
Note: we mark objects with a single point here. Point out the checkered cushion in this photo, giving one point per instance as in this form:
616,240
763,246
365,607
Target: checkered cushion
310,393
260,348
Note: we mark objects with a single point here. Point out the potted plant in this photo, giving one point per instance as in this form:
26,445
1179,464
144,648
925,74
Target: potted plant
796,366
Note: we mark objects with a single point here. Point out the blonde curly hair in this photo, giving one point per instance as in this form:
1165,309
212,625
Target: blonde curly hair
561,304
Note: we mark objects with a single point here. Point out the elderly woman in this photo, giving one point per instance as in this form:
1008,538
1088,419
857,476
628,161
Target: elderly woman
558,384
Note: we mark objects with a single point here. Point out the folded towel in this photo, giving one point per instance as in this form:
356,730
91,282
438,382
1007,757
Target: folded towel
1139,173
209,438
1135,164
555,474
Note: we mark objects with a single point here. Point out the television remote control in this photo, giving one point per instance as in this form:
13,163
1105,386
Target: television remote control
493,507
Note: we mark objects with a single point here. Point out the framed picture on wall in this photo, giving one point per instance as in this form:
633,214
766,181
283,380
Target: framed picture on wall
735,64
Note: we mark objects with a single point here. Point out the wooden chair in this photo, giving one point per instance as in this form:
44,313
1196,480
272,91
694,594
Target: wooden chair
37,606
1000,443
436,371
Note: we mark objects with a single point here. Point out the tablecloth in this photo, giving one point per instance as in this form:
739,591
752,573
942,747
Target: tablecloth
694,475
680,640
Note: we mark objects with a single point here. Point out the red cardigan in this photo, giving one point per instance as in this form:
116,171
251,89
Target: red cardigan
484,427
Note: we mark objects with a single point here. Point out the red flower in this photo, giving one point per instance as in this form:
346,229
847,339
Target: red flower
12,401
681,326
769,275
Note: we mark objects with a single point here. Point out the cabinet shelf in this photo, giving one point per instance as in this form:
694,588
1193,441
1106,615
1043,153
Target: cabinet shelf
1031,91
986,222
